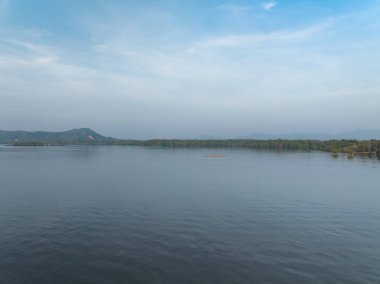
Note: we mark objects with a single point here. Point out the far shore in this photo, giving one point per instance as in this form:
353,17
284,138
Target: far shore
351,148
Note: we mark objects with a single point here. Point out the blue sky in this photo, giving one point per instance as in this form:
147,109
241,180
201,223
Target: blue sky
143,69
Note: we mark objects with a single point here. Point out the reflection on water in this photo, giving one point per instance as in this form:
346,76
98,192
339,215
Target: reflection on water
109,214
81,152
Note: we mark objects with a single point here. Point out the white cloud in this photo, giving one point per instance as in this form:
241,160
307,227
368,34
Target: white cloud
269,5
254,39
233,9
298,73
236,14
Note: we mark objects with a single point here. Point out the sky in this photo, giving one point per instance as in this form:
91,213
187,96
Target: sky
184,69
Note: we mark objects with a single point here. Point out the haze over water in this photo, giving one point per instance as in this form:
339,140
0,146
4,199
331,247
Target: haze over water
153,215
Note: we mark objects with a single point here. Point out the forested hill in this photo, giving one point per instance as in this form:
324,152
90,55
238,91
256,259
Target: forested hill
74,135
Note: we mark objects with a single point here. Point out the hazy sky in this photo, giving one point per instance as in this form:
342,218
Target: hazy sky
142,69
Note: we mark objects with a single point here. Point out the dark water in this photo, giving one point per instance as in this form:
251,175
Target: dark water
140,215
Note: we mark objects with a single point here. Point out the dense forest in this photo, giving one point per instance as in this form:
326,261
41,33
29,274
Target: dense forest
350,147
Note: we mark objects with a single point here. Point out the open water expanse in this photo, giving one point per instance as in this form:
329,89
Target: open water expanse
111,214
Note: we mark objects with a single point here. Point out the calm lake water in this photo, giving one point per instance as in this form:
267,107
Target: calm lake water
148,215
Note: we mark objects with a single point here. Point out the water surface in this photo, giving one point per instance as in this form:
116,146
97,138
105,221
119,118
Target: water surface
148,215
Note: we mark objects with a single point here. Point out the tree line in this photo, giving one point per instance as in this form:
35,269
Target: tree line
350,147
333,146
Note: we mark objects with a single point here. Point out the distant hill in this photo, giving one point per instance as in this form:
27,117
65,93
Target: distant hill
207,137
74,135
361,134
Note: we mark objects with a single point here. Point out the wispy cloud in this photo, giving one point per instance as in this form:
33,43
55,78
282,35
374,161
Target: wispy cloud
253,39
233,9
269,5
35,62
135,80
